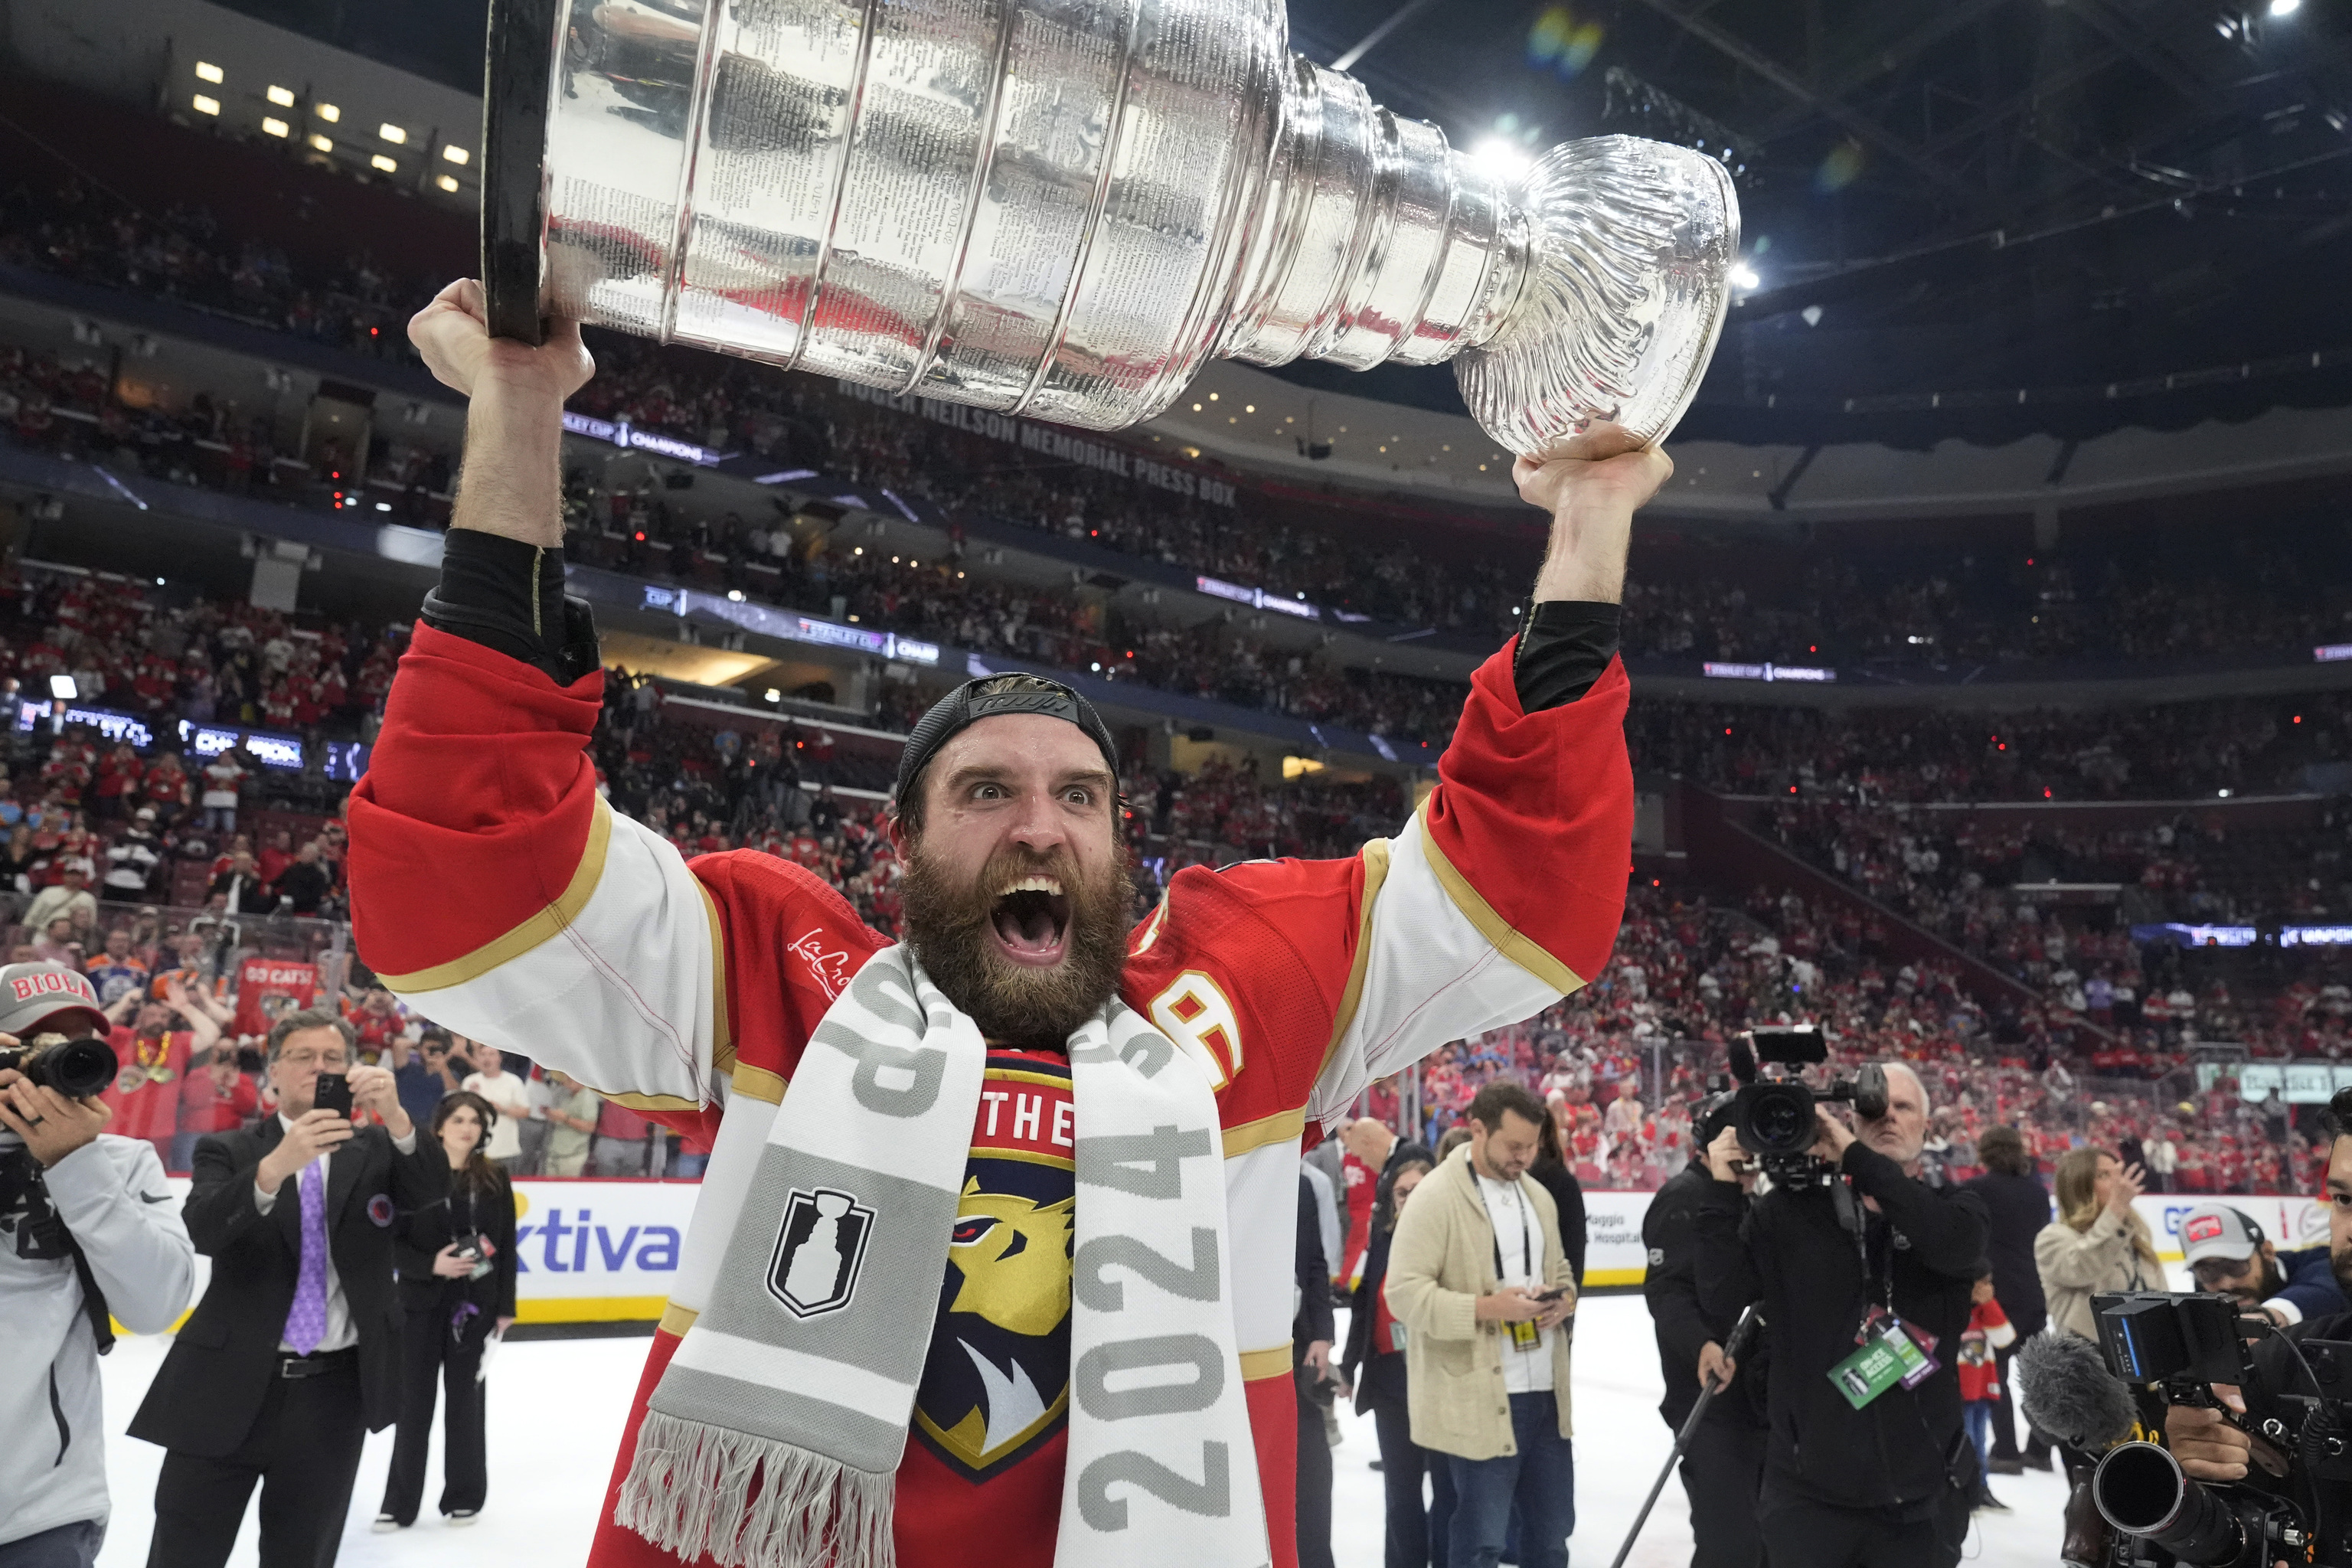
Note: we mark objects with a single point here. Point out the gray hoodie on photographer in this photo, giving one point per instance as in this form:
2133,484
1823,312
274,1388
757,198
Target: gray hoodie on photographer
114,1201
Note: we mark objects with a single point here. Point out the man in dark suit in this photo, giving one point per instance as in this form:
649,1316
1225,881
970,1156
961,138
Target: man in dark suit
293,1355
2019,1206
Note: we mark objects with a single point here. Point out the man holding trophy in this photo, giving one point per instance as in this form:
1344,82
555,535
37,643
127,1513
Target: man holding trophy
993,1251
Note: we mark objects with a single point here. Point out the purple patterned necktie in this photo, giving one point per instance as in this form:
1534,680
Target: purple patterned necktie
306,1321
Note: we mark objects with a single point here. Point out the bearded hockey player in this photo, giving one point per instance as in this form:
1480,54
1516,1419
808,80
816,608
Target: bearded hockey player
992,1261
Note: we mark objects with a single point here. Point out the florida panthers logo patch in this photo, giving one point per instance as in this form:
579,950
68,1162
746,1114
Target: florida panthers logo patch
820,1249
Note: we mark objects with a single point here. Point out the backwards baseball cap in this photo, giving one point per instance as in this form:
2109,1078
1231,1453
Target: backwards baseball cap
2217,1230
985,699
48,998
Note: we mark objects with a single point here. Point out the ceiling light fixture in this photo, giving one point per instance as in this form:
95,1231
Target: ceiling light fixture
283,96
207,72
1506,159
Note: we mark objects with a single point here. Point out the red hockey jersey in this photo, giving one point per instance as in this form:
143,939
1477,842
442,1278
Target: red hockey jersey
496,892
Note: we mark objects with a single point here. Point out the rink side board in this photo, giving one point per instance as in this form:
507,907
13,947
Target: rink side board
592,1250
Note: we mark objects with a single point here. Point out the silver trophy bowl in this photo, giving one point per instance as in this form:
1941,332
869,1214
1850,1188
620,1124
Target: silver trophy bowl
1063,207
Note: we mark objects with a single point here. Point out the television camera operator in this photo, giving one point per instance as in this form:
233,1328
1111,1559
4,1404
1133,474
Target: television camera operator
2204,1439
87,1228
1723,1465
1865,1274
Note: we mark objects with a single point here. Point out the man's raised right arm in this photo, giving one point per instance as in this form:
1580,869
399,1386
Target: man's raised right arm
491,886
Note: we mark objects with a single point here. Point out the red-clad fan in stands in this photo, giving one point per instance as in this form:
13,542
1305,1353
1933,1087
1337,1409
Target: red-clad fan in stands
154,1056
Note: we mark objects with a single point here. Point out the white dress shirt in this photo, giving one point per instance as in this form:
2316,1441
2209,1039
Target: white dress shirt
340,1336
1521,1248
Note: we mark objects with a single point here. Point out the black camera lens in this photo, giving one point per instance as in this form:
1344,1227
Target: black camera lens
1774,1118
77,1068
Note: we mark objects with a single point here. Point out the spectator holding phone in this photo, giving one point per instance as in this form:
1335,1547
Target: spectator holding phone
292,1357
1477,1276
425,1074
456,1266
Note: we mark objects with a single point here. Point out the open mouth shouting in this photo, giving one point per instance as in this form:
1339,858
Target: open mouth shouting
1030,919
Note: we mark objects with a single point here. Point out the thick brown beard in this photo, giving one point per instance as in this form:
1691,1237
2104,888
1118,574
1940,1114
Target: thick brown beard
950,927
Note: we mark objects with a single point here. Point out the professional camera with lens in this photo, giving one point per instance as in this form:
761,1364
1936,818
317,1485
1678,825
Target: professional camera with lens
76,1068
2171,1349
1773,1110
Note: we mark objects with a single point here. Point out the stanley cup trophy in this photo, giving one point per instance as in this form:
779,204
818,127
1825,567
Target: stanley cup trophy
1063,208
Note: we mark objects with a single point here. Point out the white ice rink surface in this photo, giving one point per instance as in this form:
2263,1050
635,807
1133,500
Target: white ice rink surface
556,1409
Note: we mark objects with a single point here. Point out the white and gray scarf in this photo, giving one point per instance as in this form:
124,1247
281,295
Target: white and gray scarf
774,1438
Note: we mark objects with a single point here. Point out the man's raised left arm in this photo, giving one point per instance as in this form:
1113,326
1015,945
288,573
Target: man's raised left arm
1504,892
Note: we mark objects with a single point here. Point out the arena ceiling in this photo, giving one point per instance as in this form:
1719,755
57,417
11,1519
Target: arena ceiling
1981,218
1948,201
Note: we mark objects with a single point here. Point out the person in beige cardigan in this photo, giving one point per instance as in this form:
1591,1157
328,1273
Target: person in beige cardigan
2098,1243
1478,1281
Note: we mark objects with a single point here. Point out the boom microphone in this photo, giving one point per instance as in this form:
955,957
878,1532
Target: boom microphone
2069,1393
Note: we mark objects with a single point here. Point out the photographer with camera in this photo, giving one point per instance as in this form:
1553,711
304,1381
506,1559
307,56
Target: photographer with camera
1723,1465
1866,1276
87,1228
2228,1255
2213,1449
457,1264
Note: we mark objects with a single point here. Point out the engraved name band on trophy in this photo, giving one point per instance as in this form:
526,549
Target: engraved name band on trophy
1065,207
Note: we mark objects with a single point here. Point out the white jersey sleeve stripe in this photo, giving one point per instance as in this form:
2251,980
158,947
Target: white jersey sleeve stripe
1430,972
623,992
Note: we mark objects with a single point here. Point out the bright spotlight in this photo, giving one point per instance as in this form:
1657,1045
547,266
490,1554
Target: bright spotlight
2286,7
1504,157
1744,277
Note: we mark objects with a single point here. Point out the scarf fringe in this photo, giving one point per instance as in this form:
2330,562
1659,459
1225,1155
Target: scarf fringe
689,1490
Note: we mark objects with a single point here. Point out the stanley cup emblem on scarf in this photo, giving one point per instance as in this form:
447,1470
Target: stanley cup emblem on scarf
1065,207
819,1247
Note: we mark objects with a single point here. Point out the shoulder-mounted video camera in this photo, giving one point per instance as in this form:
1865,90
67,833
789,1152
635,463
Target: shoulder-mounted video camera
2171,1349
1772,1109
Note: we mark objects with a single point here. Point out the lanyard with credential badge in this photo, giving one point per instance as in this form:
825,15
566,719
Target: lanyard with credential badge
1525,1335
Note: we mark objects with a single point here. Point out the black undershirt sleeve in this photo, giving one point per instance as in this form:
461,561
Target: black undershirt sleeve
509,597
1565,646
